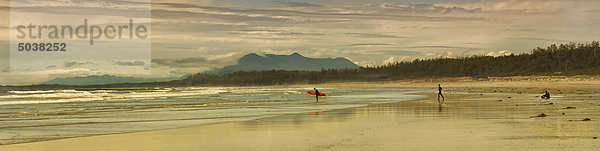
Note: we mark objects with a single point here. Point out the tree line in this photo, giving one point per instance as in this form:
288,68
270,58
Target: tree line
563,59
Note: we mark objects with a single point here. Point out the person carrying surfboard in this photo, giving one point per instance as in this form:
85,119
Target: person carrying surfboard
316,94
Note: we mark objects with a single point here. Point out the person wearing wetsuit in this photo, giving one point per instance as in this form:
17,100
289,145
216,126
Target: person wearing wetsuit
316,94
546,95
440,93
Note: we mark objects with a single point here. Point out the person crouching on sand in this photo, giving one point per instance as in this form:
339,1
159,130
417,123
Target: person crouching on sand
546,95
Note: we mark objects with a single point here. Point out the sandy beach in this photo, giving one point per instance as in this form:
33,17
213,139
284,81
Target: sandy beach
299,75
476,115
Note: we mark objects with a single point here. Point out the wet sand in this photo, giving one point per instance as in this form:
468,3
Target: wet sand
479,120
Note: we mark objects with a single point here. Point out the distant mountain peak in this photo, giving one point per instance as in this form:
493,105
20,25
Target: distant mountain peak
294,61
251,55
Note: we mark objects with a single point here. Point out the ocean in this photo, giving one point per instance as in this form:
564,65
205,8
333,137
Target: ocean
30,116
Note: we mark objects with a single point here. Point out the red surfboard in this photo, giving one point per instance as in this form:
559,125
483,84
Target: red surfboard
313,93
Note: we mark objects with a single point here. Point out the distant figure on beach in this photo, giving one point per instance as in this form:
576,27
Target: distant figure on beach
317,94
546,95
440,93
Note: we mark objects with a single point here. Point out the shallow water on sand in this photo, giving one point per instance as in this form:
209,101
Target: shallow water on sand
29,116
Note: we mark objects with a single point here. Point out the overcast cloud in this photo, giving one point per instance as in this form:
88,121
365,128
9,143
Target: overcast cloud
192,36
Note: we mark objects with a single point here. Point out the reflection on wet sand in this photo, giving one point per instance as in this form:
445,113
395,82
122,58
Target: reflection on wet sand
463,122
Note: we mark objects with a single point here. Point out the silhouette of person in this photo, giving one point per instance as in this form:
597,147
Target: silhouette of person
546,95
440,93
316,94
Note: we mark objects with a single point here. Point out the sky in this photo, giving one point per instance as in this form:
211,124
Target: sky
190,36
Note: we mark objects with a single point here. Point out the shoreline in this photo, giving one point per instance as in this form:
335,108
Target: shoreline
410,81
250,118
490,120
473,112
278,118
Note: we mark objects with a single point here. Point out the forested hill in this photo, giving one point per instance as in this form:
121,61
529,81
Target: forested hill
556,59
563,59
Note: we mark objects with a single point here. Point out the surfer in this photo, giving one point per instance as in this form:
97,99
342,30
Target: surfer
546,95
316,94
440,93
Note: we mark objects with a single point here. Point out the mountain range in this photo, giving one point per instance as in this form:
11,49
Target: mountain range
249,62
293,62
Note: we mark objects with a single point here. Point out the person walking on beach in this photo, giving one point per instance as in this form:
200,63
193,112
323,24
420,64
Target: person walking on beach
440,93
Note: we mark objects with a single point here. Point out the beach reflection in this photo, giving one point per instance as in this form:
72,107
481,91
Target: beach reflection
464,122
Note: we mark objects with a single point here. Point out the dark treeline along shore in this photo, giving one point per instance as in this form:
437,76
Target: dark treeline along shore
563,59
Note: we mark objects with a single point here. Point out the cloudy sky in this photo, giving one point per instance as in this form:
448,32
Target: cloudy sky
191,36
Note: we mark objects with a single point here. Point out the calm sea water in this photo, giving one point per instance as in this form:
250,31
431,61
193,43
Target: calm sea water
29,116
